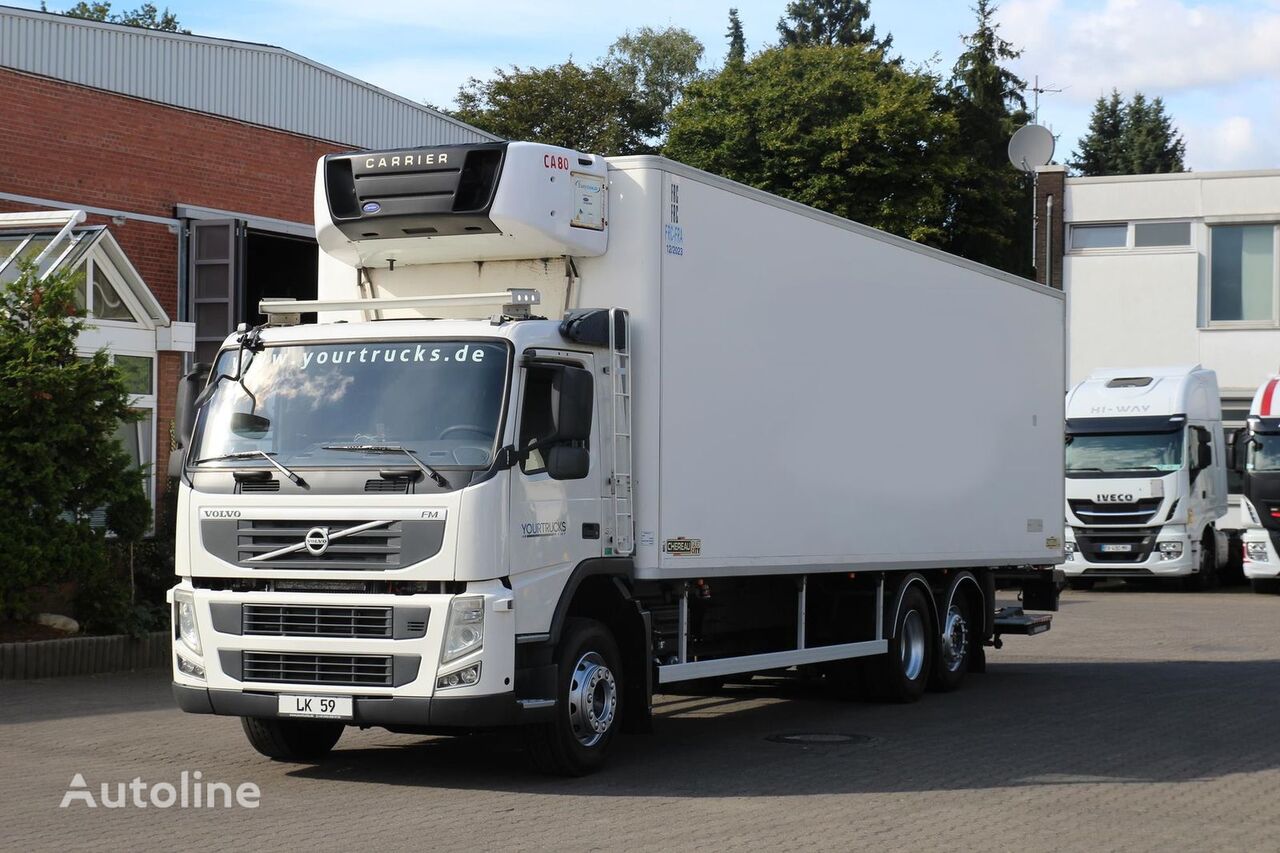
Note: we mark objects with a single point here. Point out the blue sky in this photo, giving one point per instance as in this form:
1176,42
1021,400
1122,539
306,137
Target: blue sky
1215,62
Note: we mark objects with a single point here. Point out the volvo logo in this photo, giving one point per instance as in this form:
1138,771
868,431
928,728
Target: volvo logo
317,541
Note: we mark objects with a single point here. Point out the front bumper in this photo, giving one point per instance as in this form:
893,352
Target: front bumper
1150,565
1260,569
230,683
446,712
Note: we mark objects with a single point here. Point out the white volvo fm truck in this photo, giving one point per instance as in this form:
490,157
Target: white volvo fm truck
1146,476
571,431
1256,450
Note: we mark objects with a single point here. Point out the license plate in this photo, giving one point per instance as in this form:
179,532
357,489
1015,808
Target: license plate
1117,549
331,707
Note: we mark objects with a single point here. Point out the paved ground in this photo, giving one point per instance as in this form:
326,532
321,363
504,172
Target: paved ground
1143,721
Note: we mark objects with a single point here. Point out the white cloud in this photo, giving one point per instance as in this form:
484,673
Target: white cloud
1231,142
1158,46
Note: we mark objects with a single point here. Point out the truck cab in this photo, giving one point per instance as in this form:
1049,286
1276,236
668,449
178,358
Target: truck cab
1145,477
1256,455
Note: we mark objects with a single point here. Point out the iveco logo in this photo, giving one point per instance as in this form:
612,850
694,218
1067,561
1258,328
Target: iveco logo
371,207
317,541
1114,498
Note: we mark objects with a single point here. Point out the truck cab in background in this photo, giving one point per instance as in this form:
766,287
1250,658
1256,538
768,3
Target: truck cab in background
1256,455
1146,477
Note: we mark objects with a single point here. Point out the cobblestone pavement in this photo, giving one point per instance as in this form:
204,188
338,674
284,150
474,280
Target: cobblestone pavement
1142,721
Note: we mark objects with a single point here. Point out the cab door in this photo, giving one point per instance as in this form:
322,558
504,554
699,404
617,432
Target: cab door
555,524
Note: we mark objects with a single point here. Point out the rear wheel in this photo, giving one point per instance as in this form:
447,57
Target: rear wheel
1266,586
956,643
589,694
1081,583
292,740
903,673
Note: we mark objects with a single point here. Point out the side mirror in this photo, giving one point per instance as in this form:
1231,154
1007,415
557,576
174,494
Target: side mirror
567,463
246,425
1237,449
184,416
1204,450
571,404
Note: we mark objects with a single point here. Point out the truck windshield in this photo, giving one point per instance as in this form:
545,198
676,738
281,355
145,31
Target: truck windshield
1264,453
1132,451
441,399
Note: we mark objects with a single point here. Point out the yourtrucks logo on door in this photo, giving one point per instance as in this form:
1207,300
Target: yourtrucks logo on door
536,529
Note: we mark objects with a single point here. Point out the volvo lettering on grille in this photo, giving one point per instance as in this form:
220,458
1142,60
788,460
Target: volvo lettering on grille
317,541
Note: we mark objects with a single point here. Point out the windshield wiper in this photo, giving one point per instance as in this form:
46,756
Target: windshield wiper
393,448
253,454
1141,468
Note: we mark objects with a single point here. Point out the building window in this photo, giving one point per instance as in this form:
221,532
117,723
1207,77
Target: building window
1114,236
1242,273
1152,234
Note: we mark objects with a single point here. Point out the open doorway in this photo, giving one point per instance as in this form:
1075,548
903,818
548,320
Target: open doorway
277,266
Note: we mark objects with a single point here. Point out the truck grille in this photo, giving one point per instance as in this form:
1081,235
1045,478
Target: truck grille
1140,511
374,549
273,620
366,670
1140,541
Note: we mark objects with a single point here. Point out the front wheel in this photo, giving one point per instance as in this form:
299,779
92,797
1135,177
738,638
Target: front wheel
292,740
1207,577
589,703
903,673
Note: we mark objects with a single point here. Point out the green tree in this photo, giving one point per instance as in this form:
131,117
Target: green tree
830,22
737,42
146,15
58,418
1101,150
1129,138
588,109
655,65
1152,144
837,128
989,216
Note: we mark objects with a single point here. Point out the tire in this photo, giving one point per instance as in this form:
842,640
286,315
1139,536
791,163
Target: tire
292,740
1207,577
1081,583
1265,586
589,703
956,642
902,674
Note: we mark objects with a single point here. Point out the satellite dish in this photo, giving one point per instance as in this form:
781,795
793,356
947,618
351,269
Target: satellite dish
1030,147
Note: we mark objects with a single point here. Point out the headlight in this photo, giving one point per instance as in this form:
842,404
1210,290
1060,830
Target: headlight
1255,552
185,617
1170,550
464,629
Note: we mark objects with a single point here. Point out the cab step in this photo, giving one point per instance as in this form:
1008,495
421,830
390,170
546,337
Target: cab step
1012,620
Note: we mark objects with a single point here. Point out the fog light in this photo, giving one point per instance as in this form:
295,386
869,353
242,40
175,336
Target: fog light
1070,549
1170,550
461,678
186,667
1255,552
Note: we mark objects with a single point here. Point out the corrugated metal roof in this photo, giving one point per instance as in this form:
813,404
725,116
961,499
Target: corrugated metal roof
248,82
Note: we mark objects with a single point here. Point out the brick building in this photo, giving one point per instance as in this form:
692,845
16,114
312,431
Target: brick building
192,160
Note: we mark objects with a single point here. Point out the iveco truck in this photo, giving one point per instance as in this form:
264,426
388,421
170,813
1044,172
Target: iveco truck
571,431
1146,477
1257,457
